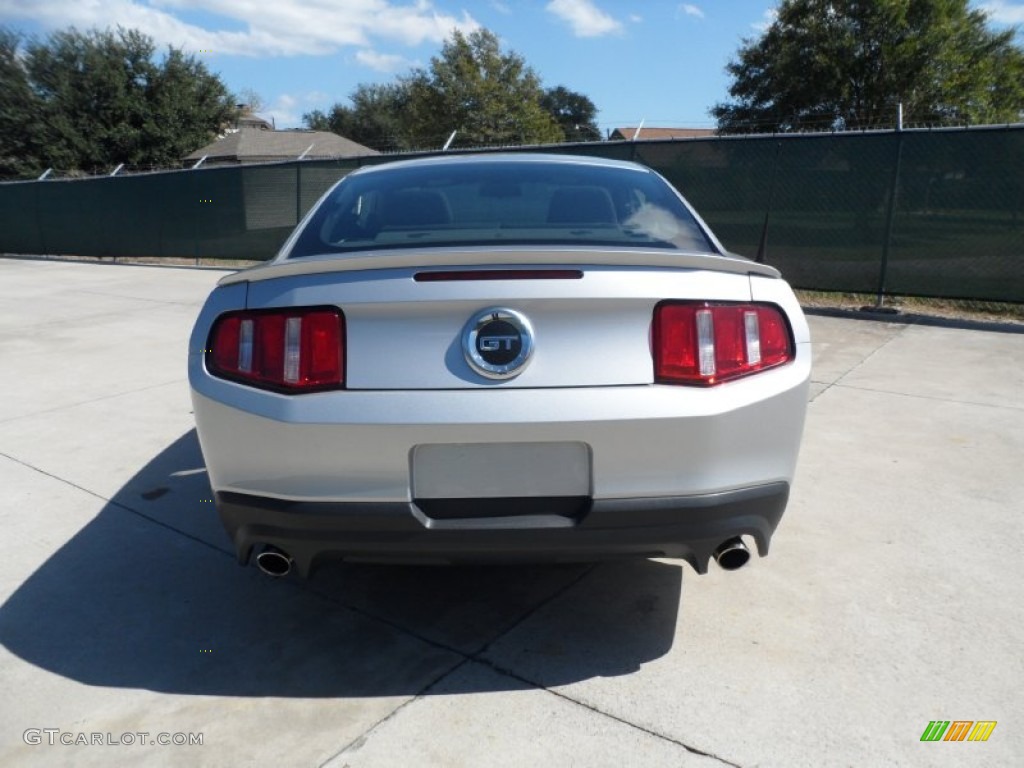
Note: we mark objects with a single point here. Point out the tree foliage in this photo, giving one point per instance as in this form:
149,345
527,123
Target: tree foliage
376,118
489,97
847,64
19,111
90,100
575,114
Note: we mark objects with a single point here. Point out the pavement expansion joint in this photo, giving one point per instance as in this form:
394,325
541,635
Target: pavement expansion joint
100,398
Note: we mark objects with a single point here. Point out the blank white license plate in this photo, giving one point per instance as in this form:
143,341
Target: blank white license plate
493,470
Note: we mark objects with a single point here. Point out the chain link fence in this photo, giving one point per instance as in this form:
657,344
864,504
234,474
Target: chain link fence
935,213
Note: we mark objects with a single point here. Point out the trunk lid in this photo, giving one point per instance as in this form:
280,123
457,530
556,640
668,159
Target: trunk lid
404,333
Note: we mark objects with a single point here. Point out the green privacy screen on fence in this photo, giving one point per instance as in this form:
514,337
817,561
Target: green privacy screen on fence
929,213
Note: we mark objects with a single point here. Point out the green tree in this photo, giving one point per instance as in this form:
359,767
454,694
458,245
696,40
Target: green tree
91,100
19,111
847,64
375,119
185,107
575,113
489,97
472,87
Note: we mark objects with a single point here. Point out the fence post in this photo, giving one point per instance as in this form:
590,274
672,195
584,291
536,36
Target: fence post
195,191
889,215
39,219
762,246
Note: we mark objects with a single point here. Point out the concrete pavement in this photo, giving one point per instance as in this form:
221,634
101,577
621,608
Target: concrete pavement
892,597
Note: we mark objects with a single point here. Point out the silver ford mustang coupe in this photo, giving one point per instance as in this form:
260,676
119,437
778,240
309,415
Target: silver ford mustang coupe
501,358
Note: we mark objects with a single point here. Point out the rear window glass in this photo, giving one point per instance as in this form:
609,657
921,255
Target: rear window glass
501,203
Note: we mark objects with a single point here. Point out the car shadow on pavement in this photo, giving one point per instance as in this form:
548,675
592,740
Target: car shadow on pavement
148,595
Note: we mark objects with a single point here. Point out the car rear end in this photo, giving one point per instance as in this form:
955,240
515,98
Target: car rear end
475,401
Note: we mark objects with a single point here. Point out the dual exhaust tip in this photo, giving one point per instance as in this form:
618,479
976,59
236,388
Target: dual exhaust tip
731,555
274,562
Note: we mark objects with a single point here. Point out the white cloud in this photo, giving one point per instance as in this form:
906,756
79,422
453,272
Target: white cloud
585,18
636,18
500,7
1004,12
691,10
382,62
767,19
287,101
279,28
286,110
283,112
314,97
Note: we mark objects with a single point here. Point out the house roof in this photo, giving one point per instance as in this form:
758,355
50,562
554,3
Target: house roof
253,121
649,134
254,145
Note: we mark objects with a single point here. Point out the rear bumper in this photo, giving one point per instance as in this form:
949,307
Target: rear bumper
644,441
683,527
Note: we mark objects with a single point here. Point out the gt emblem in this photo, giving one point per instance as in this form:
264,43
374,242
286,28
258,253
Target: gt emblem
494,343
498,343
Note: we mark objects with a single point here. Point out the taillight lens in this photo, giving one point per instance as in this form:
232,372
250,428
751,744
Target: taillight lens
293,350
705,343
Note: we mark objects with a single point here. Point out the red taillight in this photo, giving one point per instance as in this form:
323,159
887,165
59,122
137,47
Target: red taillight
703,343
294,350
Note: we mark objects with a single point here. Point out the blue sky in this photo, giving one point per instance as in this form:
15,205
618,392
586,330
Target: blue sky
654,60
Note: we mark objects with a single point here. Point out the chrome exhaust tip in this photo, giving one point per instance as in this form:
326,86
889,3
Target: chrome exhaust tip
732,554
273,562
